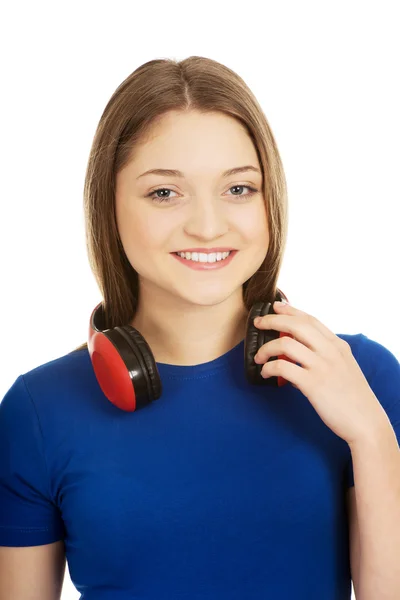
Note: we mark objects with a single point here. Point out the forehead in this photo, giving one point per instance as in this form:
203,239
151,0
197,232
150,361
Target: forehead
194,143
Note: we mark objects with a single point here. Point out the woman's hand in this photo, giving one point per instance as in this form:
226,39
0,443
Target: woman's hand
329,375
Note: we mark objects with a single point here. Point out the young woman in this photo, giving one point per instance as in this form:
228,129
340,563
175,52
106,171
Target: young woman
186,452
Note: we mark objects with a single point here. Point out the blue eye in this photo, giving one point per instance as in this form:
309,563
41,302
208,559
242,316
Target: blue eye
159,200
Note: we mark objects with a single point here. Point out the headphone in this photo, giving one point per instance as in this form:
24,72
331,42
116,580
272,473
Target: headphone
126,369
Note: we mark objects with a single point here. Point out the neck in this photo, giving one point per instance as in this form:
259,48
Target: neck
188,334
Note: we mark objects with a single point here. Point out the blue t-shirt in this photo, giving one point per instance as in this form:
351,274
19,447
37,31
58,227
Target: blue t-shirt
218,490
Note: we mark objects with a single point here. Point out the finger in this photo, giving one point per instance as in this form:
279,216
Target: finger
286,346
296,375
288,309
299,328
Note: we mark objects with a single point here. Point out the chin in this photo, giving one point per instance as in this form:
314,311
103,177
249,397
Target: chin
208,296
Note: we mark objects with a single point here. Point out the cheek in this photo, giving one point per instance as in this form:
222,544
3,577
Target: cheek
253,224
255,231
141,232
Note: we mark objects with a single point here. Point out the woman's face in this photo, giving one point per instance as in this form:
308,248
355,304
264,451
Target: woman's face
199,210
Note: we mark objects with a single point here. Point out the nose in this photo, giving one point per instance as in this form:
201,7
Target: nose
207,219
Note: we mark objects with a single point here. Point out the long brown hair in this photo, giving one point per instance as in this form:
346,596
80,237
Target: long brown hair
153,89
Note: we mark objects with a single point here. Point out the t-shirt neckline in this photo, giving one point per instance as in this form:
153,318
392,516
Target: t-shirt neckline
221,362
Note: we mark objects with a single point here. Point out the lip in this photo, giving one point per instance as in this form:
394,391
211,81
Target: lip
198,266
207,250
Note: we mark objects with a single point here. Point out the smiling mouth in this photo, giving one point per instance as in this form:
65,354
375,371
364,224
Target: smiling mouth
205,257
205,261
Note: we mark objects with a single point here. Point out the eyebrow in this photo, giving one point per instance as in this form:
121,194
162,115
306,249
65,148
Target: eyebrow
175,173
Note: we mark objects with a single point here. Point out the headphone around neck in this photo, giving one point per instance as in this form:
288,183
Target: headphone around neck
127,372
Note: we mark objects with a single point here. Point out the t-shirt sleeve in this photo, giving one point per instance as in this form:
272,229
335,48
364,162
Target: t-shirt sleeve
28,514
382,371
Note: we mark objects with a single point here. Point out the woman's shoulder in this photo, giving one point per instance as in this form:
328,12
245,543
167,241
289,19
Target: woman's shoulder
370,353
62,381
381,368
60,370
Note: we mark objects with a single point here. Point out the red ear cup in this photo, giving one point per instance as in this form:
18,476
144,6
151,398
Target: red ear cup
254,339
123,363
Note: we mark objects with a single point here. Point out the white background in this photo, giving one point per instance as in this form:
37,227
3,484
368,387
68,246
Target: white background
327,77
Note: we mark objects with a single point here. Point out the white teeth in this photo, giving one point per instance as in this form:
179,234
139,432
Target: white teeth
204,257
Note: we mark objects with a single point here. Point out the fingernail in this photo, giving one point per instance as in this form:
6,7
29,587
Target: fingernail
257,320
